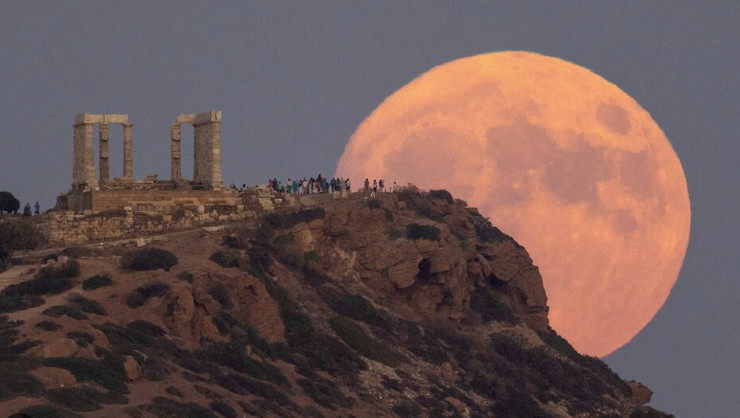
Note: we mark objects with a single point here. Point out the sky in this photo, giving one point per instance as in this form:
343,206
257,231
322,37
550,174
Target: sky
295,79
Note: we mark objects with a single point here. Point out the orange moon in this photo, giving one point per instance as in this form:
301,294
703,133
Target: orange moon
561,159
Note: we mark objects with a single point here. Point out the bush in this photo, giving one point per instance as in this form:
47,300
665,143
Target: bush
242,385
16,235
394,233
48,411
80,251
223,409
373,203
140,295
486,232
174,391
108,372
59,311
88,305
428,232
419,203
289,220
284,239
83,339
164,408
358,308
49,257
490,308
83,399
354,336
50,280
225,258
442,195
14,381
324,392
148,259
48,325
221,294
96,282
208,393
406,408
8,203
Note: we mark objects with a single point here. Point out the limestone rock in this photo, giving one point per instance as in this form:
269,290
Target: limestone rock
53,376
132,368
641,394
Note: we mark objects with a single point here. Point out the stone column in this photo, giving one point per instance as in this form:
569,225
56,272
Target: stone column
104,152
128,152
207,147
83,172
175,152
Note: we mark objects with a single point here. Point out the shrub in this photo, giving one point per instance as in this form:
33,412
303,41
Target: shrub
373,203
407,409
233,354
88,305
14,381
225,259
16,235
107,372
284,239
358,308
96,282
394,233
18,303
388,214
485,231
428,232
59,311
174,391
442,195
141,294
140,326
83,339
148,259
490,308
223,409
208,393
324,392
242,385
289,220
419,203
355,337
49,257
220,293
49,280
186,276
48,325
48,411
80,251
83,399
164,408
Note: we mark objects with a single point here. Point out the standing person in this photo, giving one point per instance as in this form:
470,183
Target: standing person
27,210
381,184
367,185
347,184
374,193
37,208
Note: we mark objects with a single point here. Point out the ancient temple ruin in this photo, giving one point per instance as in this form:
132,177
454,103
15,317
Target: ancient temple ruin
91,192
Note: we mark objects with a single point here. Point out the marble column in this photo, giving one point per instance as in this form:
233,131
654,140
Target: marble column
104,134
128,151
175,152
207,147
83,171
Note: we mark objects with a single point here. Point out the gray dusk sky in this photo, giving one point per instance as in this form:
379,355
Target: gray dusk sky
294,80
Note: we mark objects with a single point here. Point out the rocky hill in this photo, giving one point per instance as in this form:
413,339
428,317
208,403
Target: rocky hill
409,305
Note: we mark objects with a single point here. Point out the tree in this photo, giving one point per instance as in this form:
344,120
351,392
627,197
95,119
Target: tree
8,203
16,235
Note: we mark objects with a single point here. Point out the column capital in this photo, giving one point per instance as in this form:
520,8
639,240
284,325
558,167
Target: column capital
127,124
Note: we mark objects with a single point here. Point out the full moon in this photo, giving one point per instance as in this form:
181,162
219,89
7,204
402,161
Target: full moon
557,157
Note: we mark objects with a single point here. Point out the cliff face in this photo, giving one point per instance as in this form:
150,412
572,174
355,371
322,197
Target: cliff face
407,305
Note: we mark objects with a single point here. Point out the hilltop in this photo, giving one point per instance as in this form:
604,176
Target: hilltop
409,305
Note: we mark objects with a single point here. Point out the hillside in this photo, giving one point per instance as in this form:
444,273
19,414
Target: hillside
409,305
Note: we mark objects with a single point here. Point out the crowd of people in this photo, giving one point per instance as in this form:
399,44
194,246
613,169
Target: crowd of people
322,184
311,185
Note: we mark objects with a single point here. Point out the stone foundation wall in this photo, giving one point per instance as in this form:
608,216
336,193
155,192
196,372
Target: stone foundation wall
128,213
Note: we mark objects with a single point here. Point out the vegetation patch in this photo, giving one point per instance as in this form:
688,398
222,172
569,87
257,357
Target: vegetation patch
148,259
289,220
223,409
233,354
174,391
83,339
87,305
325,393
243,385
141,294
50,280
358,308
394,233
354,336
162,407
442,194
419,203
79,251
48,325
107,372
226,259
96,282
14,381
485,231
48,411
428,232
221,294
83,399
59,311
284,239
490,308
